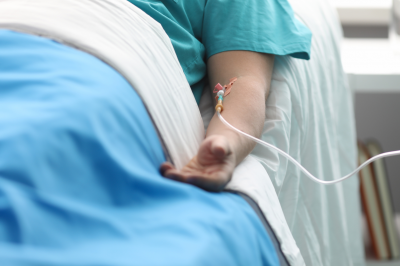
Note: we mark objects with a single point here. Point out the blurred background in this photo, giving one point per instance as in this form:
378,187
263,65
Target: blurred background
371,59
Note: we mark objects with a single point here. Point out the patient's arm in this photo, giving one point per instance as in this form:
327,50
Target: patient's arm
244,108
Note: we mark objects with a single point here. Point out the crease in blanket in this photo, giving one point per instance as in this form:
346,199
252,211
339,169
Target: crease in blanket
94,26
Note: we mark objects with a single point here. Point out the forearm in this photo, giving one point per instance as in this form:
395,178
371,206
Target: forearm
244,107
214,163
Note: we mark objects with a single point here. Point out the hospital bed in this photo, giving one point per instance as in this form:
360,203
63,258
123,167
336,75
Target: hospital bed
309,115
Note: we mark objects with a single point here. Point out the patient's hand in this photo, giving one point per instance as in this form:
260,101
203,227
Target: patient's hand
211,169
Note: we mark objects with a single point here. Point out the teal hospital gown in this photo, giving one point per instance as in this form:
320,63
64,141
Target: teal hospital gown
199,29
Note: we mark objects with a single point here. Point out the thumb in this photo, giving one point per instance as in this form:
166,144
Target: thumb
220,147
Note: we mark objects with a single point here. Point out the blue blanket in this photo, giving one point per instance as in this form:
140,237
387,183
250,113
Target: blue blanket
79,178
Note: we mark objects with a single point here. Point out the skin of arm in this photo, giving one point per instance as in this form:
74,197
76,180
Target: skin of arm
244,108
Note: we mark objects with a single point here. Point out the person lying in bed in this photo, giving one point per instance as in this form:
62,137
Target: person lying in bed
216,41
80,157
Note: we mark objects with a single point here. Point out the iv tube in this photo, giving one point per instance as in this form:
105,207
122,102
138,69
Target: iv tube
377,157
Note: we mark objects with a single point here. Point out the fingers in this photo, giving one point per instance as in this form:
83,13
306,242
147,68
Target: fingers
166,166
214,184
169,171
174,174
209,184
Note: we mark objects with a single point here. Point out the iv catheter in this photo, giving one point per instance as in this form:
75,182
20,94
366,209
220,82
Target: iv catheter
219,109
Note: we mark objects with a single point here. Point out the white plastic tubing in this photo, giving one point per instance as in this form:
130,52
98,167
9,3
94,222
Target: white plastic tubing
377,157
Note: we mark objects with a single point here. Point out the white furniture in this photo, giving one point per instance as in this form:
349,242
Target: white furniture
363,12
371,65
